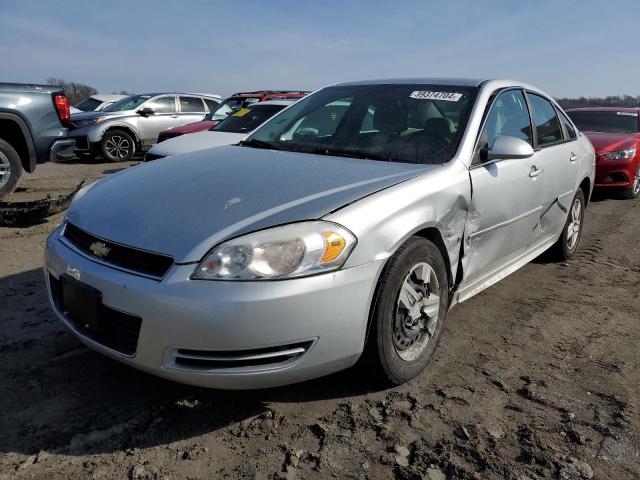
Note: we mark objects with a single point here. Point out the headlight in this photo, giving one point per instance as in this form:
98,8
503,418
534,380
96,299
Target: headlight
621,154
289,251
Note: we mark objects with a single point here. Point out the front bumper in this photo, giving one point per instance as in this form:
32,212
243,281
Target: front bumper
62,150
327,312
615,173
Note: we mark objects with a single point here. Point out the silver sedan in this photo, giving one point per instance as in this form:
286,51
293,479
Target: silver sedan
355,218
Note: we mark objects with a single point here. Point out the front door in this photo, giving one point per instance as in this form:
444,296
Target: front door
503,221
165,116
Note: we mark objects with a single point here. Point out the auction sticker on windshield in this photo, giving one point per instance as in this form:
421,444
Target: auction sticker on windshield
242,112
627,114
427,95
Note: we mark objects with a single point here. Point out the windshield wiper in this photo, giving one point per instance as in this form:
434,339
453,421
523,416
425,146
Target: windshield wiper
254,143
343,153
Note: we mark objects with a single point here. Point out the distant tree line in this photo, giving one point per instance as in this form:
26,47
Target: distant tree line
610,101
77,92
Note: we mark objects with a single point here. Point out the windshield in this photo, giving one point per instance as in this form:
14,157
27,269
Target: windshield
229,106
609,122
400,123
128,103
88,104
247,119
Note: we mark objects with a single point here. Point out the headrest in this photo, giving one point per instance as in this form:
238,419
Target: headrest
440,125
390,119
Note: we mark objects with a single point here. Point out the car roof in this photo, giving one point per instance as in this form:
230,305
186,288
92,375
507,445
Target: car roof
458,82
272,102
215,97
605,109
108,98
262,93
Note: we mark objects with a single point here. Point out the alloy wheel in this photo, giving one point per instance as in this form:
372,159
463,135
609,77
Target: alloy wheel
635,187
573,230
117,146
5,170
417,309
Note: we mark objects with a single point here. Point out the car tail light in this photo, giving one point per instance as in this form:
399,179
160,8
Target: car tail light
61,102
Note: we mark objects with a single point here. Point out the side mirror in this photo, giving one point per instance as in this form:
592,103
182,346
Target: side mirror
504,148
146,111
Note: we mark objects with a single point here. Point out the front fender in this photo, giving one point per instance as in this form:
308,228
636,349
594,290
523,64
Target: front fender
385,220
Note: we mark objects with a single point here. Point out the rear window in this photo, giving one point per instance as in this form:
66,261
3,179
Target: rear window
247,119
88,104
608,122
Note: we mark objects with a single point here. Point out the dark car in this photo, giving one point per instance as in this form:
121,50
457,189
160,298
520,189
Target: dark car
228,106
615,135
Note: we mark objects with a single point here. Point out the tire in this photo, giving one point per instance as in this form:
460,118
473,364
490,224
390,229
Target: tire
10,168
393,327
634,190
567,244
117,146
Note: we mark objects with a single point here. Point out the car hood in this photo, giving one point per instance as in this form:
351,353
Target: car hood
185,205
195,141
192,127
610,142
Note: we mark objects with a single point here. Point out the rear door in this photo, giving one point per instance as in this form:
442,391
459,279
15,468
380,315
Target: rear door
507,194
192,109
557,152
165,116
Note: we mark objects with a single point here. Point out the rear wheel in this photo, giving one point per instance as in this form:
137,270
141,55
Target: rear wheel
10,168
411,307
633,191
567,244
117,146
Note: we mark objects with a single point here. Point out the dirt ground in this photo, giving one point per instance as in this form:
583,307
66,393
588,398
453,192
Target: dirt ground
537,377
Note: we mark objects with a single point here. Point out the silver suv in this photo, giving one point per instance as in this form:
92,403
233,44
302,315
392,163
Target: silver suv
132,124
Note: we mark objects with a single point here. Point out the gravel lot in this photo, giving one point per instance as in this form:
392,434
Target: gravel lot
537,377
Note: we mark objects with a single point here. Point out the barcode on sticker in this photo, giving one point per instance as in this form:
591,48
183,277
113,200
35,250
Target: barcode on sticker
427,95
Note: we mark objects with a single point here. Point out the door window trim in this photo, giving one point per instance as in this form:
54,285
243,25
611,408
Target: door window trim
565,138
492,100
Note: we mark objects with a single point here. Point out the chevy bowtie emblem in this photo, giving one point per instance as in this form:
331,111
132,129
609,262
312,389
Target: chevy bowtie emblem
99,249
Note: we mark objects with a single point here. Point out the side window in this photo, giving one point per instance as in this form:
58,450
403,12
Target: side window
162,104
509,116
211,104
547,123
191,104
571,131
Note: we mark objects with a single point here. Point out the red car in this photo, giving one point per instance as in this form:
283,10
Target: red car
615,135
228,106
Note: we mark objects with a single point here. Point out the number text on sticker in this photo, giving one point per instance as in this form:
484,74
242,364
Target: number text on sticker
445,96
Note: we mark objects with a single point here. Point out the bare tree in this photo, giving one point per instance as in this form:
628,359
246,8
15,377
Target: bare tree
75,91
610,101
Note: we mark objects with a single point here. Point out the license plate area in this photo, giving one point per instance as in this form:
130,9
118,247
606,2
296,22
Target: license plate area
82,304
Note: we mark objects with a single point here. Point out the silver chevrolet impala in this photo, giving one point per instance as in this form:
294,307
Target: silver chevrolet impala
353,219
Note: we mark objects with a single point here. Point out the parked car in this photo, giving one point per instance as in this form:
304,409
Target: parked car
615,134
132,124
227,107
33,127
356,217
229,131
95,103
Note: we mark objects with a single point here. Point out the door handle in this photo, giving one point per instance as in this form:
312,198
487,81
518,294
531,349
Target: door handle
535,171
573,157
174,116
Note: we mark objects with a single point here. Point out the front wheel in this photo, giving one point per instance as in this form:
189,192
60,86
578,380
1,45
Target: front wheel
411,307
117,146
633,191
567,244
10,168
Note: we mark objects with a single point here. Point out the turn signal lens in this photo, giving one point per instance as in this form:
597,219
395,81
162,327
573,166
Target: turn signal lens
333,246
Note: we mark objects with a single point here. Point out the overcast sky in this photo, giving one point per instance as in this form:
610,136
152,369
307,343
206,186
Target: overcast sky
568,48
